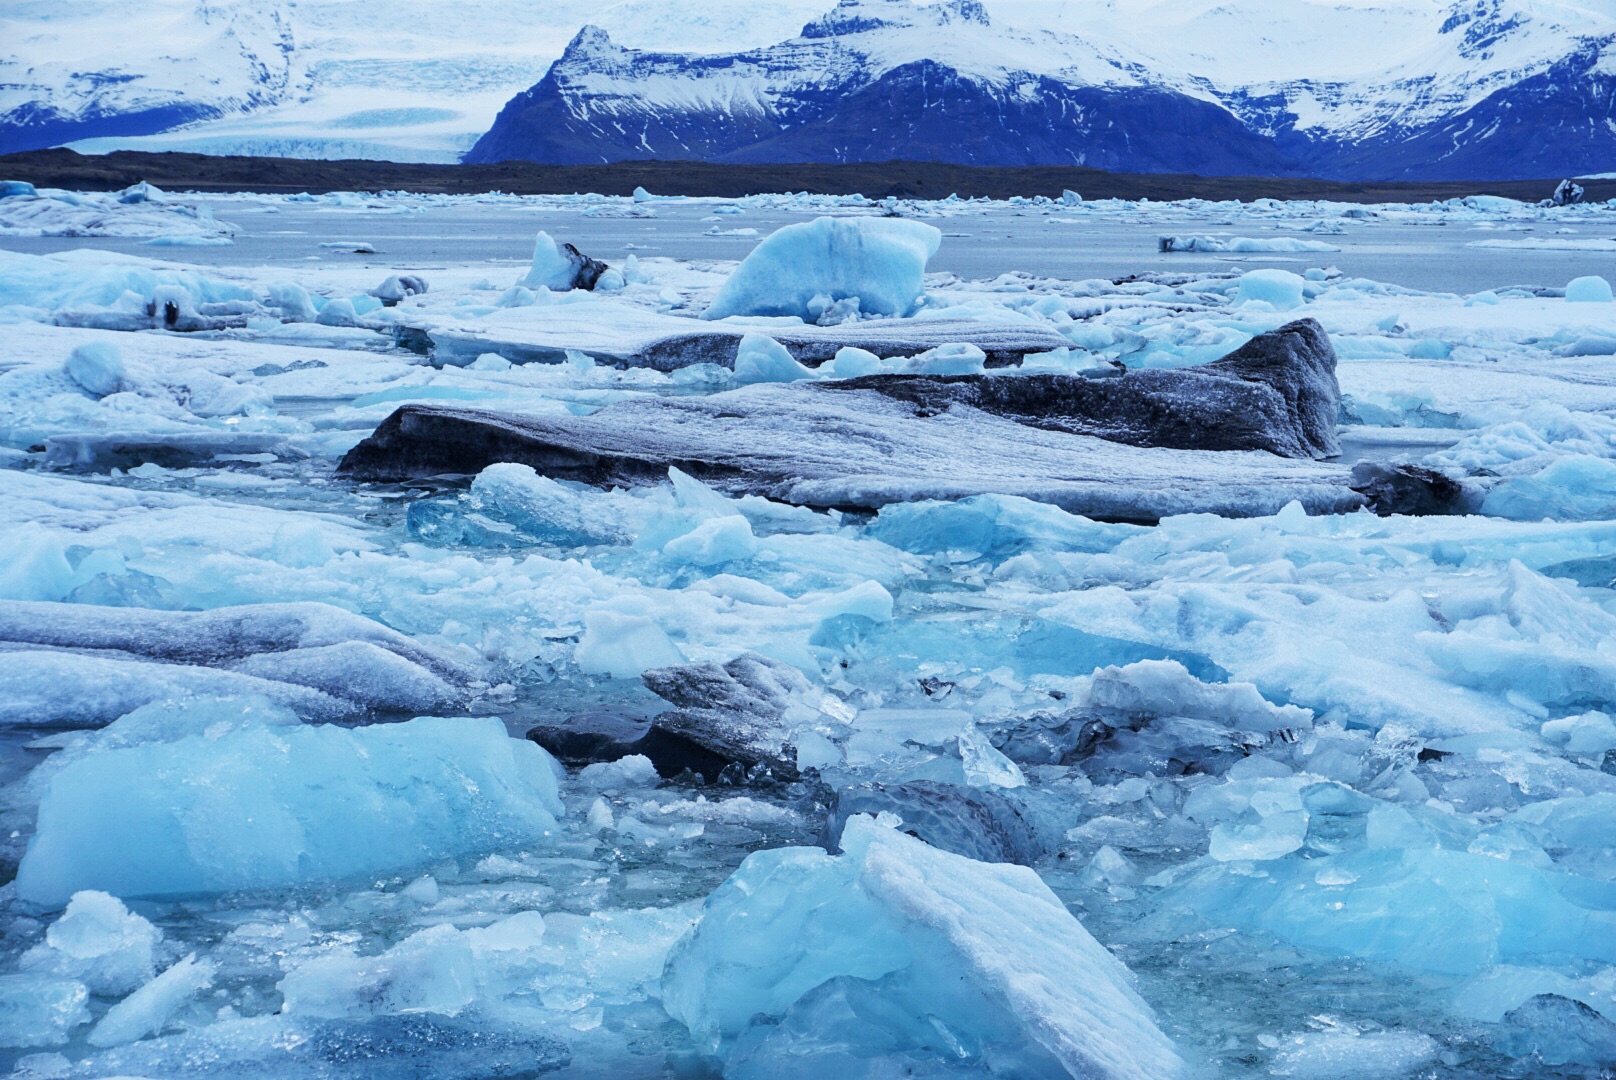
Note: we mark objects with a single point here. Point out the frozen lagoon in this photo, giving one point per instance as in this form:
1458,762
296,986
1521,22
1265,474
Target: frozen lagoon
1332,790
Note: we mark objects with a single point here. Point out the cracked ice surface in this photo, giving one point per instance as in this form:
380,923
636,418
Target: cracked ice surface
963,787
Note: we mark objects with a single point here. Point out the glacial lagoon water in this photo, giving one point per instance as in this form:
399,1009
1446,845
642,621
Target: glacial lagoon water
1335,790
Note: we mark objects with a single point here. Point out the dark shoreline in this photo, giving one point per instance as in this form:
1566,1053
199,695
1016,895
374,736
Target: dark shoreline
906,179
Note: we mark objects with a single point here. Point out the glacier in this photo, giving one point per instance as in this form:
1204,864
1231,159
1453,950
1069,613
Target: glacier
953,690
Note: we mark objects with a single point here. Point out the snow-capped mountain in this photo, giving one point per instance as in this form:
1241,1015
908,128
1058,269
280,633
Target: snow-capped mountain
1500,88
1349,88
875,80
94,73
1481,88
411,80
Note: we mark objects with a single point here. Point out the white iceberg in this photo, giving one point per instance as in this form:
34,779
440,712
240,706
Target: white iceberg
880,261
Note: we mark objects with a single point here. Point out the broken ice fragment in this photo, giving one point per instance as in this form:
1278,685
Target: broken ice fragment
805,961
271,807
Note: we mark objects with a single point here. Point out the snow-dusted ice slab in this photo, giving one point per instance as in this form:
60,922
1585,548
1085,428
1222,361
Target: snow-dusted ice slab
637,337
896,950
268,807
849,447
139,211
83,663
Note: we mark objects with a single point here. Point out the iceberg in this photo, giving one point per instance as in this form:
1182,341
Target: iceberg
806,963
268,807
560,267
760,359
1279,289
97,367
1588,290
879,261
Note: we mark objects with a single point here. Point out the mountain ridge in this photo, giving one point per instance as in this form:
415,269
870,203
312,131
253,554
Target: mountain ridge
1502,90
1386,89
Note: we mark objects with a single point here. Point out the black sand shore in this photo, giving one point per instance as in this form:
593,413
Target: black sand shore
906,179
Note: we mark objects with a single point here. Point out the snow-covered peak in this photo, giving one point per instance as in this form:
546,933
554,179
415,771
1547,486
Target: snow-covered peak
862,16
316,78
856,42
591,42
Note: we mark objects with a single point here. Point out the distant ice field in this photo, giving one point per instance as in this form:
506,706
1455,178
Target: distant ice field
1432,254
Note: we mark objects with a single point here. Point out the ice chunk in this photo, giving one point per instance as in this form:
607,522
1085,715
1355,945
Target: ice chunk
423,890
997,526
1576,487
748,711
1420,908
98,368
139,193
561,267
271,807
977,824
880,261
1166,688
100,943
762,359
805,962
338,311
546,510
635,770
148,1010
399,287
623,645
714,542
294,302
40,1011
1558,1030
1241,244
490,362
430,972
1588,290
1280,289
1331,1055
961,358
1588,735
118,294
36,568
852,363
